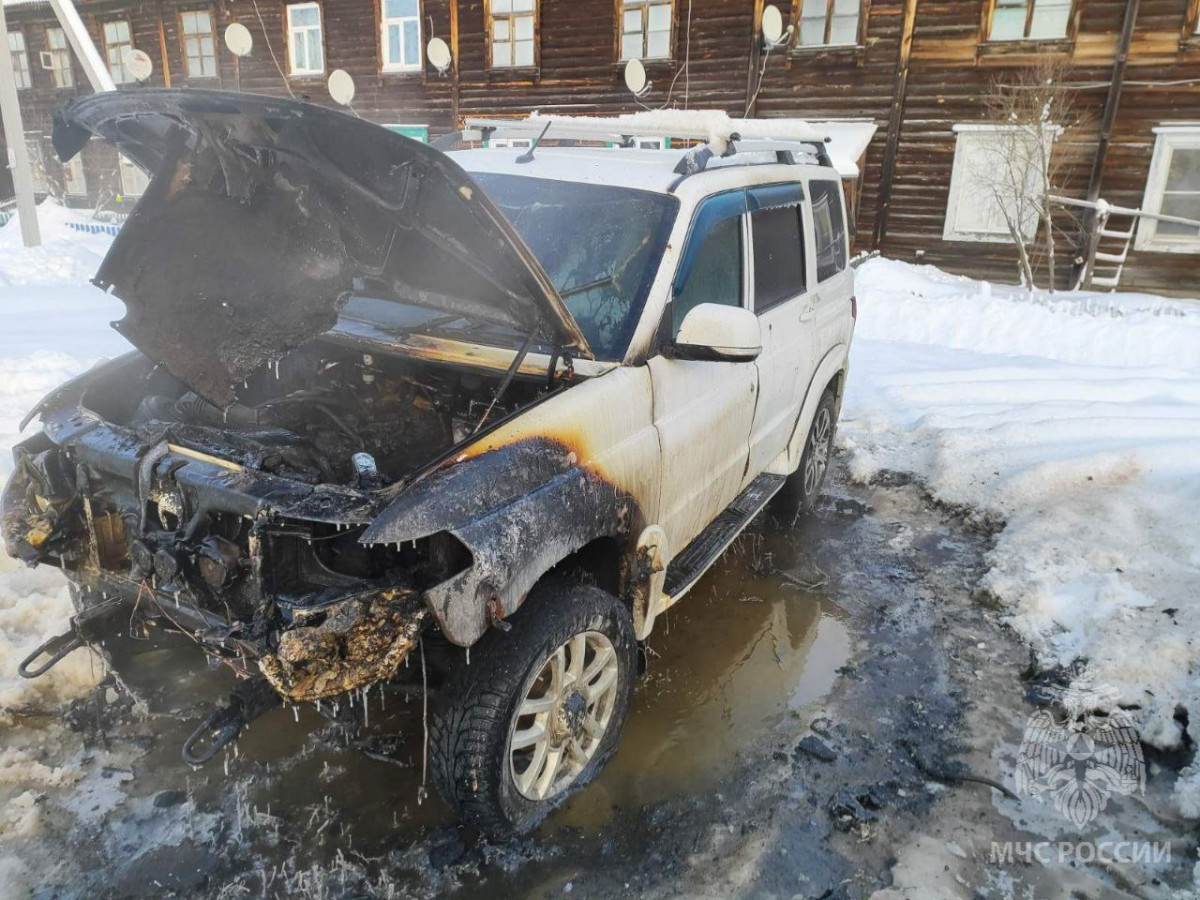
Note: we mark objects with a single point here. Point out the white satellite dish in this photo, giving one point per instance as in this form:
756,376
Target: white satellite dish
138,63
635,78
772,26
341,86
438,52
238,39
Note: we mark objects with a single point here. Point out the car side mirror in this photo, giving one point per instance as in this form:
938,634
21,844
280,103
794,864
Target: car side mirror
713,331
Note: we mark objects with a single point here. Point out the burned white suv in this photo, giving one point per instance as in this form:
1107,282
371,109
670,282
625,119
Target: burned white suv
512,404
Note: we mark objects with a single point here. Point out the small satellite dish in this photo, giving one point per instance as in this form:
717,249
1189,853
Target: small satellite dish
438,52
238,39
635,78
139,64
772,26
341,86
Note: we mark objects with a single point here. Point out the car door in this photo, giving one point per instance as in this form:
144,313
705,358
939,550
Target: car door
703,409
782,302
831,296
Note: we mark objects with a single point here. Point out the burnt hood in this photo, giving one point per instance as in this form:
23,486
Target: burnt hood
264,215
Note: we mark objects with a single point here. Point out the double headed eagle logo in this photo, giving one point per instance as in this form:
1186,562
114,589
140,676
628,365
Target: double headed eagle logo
1080,751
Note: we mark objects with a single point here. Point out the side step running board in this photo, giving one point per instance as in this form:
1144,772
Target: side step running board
686,568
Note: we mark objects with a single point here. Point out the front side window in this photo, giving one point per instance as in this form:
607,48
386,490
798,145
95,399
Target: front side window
716,273
1173,189
401,34
826,23
830,226
645,29
513,30
306,52
1030,20
778,256
199,46
58,51
118,41
600,245
20,59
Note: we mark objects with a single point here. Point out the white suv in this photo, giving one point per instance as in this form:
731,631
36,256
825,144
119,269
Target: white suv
509,405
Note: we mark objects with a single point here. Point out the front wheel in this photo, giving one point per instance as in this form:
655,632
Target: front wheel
538,711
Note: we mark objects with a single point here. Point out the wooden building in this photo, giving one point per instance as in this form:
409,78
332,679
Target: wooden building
919,69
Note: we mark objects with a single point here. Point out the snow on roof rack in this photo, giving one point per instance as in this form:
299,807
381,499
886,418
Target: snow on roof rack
721,135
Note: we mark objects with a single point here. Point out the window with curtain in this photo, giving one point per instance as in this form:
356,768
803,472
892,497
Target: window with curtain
118,41
199,45
59,53
513,30
1030,20
401,35
645,29
829,23
306,53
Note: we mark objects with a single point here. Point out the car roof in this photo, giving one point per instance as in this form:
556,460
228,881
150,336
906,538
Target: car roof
640,169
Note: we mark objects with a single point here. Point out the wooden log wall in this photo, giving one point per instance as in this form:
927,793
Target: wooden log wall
949,72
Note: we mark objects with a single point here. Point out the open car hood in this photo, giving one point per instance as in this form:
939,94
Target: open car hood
264,215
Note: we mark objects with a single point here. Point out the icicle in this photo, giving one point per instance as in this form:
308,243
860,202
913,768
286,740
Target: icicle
468,656
366,709
296,713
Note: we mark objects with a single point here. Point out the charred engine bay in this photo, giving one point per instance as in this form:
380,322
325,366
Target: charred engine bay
312,415
168,513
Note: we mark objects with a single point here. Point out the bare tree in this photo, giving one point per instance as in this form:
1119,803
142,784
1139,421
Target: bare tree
1030,109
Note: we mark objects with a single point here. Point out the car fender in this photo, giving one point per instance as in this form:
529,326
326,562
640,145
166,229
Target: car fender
833,362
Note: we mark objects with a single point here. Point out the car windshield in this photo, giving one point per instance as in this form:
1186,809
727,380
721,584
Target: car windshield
599,244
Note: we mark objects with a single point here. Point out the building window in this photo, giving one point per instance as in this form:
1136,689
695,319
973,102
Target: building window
401,34
306,55
199,43
825,23
1030,20
645,29
514,29
995,181
118,41
20,59
133,180
58,57
37,164
74,182
1173,189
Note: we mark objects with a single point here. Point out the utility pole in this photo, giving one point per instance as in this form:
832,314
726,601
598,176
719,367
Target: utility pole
14,135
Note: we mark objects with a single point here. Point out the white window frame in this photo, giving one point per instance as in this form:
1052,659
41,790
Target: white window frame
196,38
74,178
20,60
116,67
644,6
1168,139
961,193
61,69
133,180
510,18
403,64
1030,7
293,31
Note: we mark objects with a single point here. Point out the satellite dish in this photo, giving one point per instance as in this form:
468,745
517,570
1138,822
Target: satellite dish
341,86
139,64
238,39
772,26
635,78
438,52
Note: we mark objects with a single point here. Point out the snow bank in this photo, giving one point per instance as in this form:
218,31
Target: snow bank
1076,419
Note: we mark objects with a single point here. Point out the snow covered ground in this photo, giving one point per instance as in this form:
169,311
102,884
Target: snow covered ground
1074,419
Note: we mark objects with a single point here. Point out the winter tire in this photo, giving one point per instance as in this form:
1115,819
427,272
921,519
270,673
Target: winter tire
538,711
800,492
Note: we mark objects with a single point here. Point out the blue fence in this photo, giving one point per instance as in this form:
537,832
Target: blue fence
94,228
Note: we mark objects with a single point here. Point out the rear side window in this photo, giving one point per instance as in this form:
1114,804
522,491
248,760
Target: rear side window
830,227
778,256
716,274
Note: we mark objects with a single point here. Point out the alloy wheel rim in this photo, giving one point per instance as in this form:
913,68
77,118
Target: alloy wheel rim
818,452
563,716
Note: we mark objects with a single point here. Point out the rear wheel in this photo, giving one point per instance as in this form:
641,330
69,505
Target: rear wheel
799,494
538,711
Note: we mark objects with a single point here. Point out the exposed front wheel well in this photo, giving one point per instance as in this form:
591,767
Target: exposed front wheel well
597,562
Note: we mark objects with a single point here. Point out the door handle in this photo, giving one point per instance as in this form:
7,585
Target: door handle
807,313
